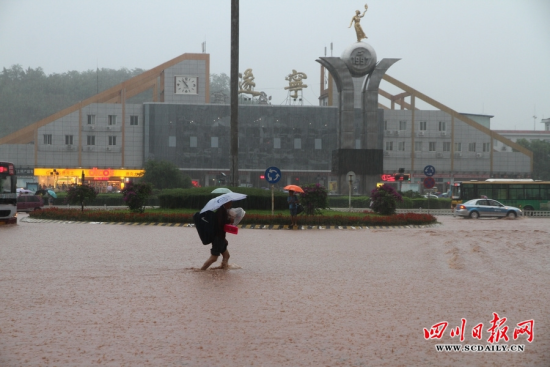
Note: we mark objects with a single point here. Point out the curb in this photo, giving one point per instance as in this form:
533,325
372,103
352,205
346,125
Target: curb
242,226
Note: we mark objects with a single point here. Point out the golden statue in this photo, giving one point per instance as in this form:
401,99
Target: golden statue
357,20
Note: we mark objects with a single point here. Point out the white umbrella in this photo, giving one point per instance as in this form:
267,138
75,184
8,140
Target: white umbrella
24,191
221,190
215,203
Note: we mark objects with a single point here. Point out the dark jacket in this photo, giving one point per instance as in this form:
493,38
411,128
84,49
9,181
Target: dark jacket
222,219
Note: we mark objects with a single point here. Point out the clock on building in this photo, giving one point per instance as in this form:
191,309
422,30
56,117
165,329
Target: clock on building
186,84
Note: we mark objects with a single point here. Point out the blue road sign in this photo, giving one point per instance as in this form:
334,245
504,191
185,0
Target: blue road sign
429,170
272,175
429,182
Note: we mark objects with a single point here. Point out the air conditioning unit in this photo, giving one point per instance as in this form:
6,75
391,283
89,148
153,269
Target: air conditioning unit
396,132
386,153
421,133
92,127
389,132
443,133
90,148
70,147
109,149
109,127
458,155
479,155
439,155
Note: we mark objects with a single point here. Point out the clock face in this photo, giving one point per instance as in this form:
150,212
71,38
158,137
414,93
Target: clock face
186,85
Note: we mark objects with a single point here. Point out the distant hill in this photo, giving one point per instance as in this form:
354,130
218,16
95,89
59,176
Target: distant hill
27,96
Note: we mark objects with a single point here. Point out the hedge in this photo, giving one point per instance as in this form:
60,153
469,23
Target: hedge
408,203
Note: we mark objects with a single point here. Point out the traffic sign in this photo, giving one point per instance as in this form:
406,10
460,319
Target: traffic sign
429,182
429,170
272,175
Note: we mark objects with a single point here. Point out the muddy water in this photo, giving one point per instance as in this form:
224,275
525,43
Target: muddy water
85,294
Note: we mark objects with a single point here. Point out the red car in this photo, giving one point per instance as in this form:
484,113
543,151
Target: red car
29,203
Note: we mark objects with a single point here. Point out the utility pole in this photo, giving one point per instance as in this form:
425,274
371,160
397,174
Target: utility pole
234,93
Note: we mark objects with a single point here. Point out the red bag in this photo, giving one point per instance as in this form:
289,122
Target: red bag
231,229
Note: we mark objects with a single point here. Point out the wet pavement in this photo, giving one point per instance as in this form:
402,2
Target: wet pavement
85,295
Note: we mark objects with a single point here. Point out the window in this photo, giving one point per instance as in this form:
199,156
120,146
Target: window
486,147
47,139
432,146
401,146
112,140
91,119
214,142
357,143
297,143
171,141
423,125
446,146
385,125
133,120
90,140
458,147
389,145
402,125
472,147
442,126
192,141
417,146
277,143
68,140
318,143
112,119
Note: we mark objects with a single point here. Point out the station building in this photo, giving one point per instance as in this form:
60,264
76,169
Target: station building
109,140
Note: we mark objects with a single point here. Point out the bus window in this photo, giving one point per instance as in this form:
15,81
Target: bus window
517,192
484,190
532,192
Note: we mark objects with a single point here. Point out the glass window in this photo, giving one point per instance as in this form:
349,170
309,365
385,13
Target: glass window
402,125
214,141
90,140
318,144
472,147
357,143
458,147
193,141
133,120
517,192
112,119
277,143
401,146
532,192
172,141
68,140
432,146
112,140
297,143
486,147
385,125
446,146
91,119
442,126
417,146
47,139
423,125
389,145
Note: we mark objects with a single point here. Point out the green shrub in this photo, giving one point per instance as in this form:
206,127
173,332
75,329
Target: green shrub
314,199
135,196
80,194
384,200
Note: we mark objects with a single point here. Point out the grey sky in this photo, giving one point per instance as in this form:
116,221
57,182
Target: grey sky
476,56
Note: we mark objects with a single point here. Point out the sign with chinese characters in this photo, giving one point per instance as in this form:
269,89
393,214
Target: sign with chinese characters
90,172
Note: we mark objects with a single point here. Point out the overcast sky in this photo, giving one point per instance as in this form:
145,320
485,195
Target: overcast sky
477,56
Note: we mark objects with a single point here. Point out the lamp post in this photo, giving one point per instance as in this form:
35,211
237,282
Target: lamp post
350,184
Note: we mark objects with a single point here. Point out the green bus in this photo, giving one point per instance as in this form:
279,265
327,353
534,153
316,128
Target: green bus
525,194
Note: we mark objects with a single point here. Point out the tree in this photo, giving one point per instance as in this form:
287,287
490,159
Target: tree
136,195
541,157
165,175
314,198
80,194
219,83
384,199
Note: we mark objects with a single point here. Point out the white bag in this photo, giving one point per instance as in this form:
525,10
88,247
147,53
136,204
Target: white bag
237,214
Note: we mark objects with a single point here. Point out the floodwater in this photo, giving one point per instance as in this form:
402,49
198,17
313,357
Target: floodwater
111,295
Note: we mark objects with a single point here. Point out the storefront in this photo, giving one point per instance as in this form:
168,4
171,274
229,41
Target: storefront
103,179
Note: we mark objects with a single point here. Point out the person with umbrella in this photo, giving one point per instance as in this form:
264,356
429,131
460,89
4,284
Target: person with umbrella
293,202
219,244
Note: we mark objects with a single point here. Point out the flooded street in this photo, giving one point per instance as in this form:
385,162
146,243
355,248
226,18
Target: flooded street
114,295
